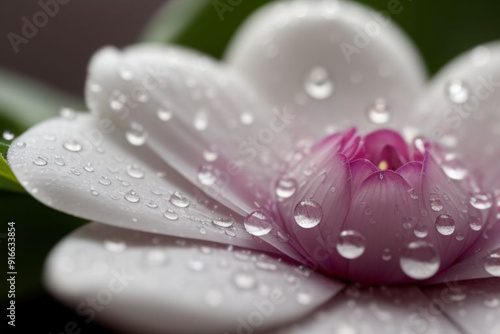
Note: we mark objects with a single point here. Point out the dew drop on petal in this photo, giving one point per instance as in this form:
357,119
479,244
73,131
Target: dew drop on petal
136,135
246,118
132,197
201,120
170,214
285,187
73,145
351,244
213,298
304,298
258,223
7,135
244,281
179,200
115,246
21,144
455,169
492,263
207,175
421,231
481,201
135,171
228,222
435,202
104,180
457,91
88,167
419,260
386,254
445,224
210,155
318,84
475,223
40,161
164,115
308,213
379,112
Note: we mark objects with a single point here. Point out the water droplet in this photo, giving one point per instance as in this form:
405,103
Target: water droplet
207,175
457,91
196,265
318,84
132,196
88,168
210,155
104,180
164,115
445,224
481,201
201,120
94,192
419,260
386,254
475,223
455,169
135,171
285,187
435,202
58,160
7,135
228,222
459,237
304,298
73,145
379,112
491,301
137,135
244,281
246,118
351,244
308,213
115,246
40,161
412,193
421,231
67,113
492,263
170,214
179,200
125,74
156,257
152,204
74,171
480,56
21,144
257,223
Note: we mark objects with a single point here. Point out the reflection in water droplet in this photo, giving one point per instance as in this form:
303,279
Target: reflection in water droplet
308,213
445,224
419,260
257,223
379,112
351,244
457,91
318,84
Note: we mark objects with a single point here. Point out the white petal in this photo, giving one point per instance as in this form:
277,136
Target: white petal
474,306
178,286
461,110
189,105
374,310
85,167
330,61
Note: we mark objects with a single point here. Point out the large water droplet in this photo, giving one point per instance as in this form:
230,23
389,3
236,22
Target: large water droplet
492,263
318,84
419,260
179,200
351,244
481,201
136,135
445,224
73,145
457,91
258,223
379,112
455,169
308,213
285,187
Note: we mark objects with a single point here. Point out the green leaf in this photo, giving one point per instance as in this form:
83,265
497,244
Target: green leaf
25,102
8,180
204,25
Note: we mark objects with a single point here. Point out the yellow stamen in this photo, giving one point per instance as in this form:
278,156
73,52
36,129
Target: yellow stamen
383,165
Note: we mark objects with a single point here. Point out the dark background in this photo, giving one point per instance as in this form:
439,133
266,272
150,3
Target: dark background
58,56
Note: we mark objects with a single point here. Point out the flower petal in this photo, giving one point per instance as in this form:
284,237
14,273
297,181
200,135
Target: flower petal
389,310
472,305
197,115
145,283
331,62
85,167
461,110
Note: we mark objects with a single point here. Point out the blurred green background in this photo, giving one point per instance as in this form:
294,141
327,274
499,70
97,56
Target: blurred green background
49,73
